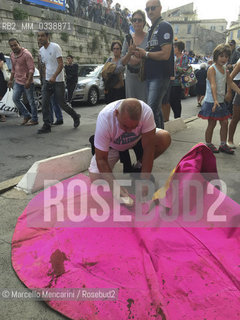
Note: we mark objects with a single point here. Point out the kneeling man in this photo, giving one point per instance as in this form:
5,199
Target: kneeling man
120,126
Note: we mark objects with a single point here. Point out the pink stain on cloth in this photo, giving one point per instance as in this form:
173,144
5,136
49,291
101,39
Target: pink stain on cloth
175,272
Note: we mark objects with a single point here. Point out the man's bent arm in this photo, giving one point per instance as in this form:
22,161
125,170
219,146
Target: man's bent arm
164,54
103,166
29,80
10,82
59,69
106,171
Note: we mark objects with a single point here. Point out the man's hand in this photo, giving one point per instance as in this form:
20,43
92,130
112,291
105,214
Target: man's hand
123,192
52,79
140,53
27,84
126,199
10,84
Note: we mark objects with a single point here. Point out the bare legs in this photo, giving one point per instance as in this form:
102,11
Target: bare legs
223,130
166,111
233,123
210,128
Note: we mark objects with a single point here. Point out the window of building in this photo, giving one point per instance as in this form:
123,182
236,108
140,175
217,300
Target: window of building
238,34
189,28
188,45
175,13
176,28
231,35
213,28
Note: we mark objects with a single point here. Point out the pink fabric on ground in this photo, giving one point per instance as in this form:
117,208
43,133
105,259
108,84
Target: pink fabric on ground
170,273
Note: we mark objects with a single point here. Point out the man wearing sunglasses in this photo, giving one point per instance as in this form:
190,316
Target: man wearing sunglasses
159,59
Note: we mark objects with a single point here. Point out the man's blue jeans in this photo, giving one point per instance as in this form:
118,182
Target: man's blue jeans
18,90
156,89
55,109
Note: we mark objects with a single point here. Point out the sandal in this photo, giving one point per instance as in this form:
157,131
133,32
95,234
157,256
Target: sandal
231,145
226,149
212,148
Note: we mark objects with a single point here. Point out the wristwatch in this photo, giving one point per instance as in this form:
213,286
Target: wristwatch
146,54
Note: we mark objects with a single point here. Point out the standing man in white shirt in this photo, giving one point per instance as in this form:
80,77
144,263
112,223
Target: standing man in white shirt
51,56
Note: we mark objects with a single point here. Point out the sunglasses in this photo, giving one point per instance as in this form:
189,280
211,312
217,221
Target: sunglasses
152,8
137,20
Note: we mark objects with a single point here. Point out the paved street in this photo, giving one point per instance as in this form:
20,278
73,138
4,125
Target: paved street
22,146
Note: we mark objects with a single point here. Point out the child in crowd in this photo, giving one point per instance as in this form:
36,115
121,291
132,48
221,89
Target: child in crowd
214,107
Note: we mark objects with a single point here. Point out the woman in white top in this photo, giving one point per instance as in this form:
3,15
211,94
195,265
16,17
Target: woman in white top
235,75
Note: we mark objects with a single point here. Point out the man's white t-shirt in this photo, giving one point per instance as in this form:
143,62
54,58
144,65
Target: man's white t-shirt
109,134
49,58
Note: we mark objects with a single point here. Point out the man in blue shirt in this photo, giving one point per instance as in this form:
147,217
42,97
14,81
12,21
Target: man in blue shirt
159,59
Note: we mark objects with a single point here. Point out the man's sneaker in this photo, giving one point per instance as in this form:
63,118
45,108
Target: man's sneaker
45,129
212,148
57,123
76,121
25,120
226,149
31,123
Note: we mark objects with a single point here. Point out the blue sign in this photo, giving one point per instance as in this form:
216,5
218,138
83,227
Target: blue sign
55,4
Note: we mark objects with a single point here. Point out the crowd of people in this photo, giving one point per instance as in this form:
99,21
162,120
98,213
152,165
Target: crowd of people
155,66
98,11
103,12
52,76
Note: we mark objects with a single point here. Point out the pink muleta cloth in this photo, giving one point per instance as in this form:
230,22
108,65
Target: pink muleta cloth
173,270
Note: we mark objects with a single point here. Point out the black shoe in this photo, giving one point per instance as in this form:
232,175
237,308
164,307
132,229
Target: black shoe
45,129
76,121
57,122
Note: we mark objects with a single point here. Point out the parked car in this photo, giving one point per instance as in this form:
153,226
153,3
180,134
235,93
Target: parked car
90,86
37,86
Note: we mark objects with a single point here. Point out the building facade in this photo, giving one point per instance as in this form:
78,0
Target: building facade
233,32
200,36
